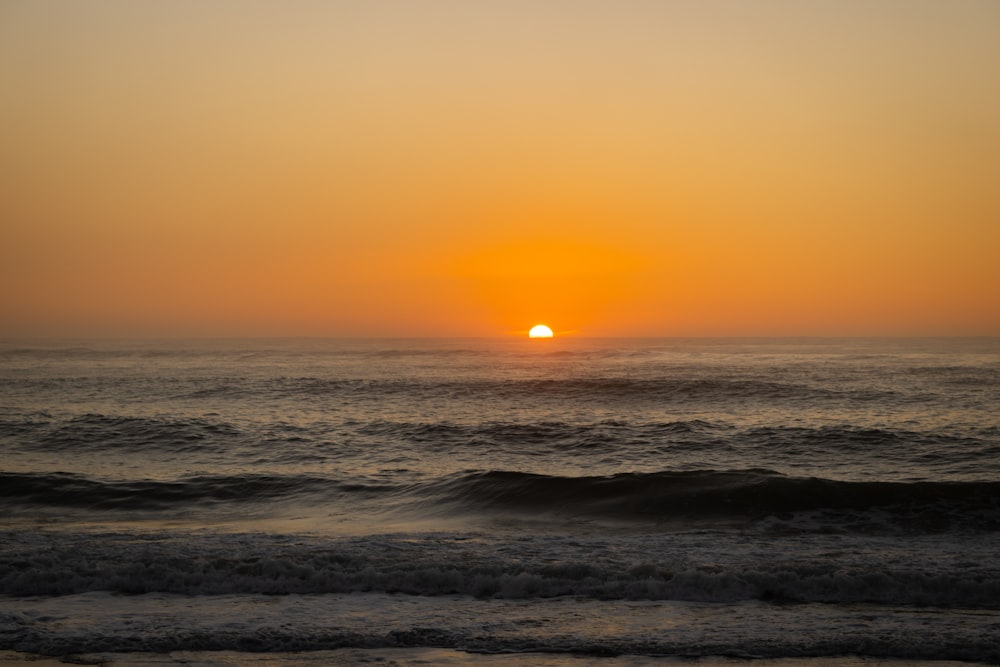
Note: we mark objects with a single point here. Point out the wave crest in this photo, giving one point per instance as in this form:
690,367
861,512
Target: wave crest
669,499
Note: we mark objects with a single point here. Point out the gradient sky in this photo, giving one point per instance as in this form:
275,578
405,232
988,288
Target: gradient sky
410,168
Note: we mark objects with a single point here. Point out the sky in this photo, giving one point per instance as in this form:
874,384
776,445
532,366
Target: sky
475,167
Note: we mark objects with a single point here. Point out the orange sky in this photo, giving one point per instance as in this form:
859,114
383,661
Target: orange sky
473,167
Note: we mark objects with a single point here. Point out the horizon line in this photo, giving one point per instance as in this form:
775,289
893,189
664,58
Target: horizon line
7,339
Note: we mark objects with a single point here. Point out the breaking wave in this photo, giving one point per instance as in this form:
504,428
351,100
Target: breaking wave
670,498
636,568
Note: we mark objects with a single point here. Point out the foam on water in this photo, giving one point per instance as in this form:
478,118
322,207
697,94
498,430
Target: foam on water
254,623
776,565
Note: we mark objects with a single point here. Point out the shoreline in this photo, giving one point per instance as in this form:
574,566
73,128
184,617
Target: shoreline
435,656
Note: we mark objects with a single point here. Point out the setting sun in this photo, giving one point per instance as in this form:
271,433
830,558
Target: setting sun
540,331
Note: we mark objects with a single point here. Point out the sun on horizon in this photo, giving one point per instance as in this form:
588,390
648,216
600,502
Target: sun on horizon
540,331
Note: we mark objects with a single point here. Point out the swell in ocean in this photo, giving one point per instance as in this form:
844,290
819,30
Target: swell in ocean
673,500
156,446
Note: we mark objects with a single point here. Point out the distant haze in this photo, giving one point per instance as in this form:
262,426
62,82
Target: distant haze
473,168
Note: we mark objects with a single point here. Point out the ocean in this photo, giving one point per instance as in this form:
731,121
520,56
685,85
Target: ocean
654,498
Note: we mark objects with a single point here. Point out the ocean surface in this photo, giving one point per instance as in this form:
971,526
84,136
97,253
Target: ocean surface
699,497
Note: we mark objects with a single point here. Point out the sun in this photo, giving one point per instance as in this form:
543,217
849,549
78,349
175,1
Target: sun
540,331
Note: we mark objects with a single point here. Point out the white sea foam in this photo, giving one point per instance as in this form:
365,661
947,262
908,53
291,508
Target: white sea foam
56,626
673,566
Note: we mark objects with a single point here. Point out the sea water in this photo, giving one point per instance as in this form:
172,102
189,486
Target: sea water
702,497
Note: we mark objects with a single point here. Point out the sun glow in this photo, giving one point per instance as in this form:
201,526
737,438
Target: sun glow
540,331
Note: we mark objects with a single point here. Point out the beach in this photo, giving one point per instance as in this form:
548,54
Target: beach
413,657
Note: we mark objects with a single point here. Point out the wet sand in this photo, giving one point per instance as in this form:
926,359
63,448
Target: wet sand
432,656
